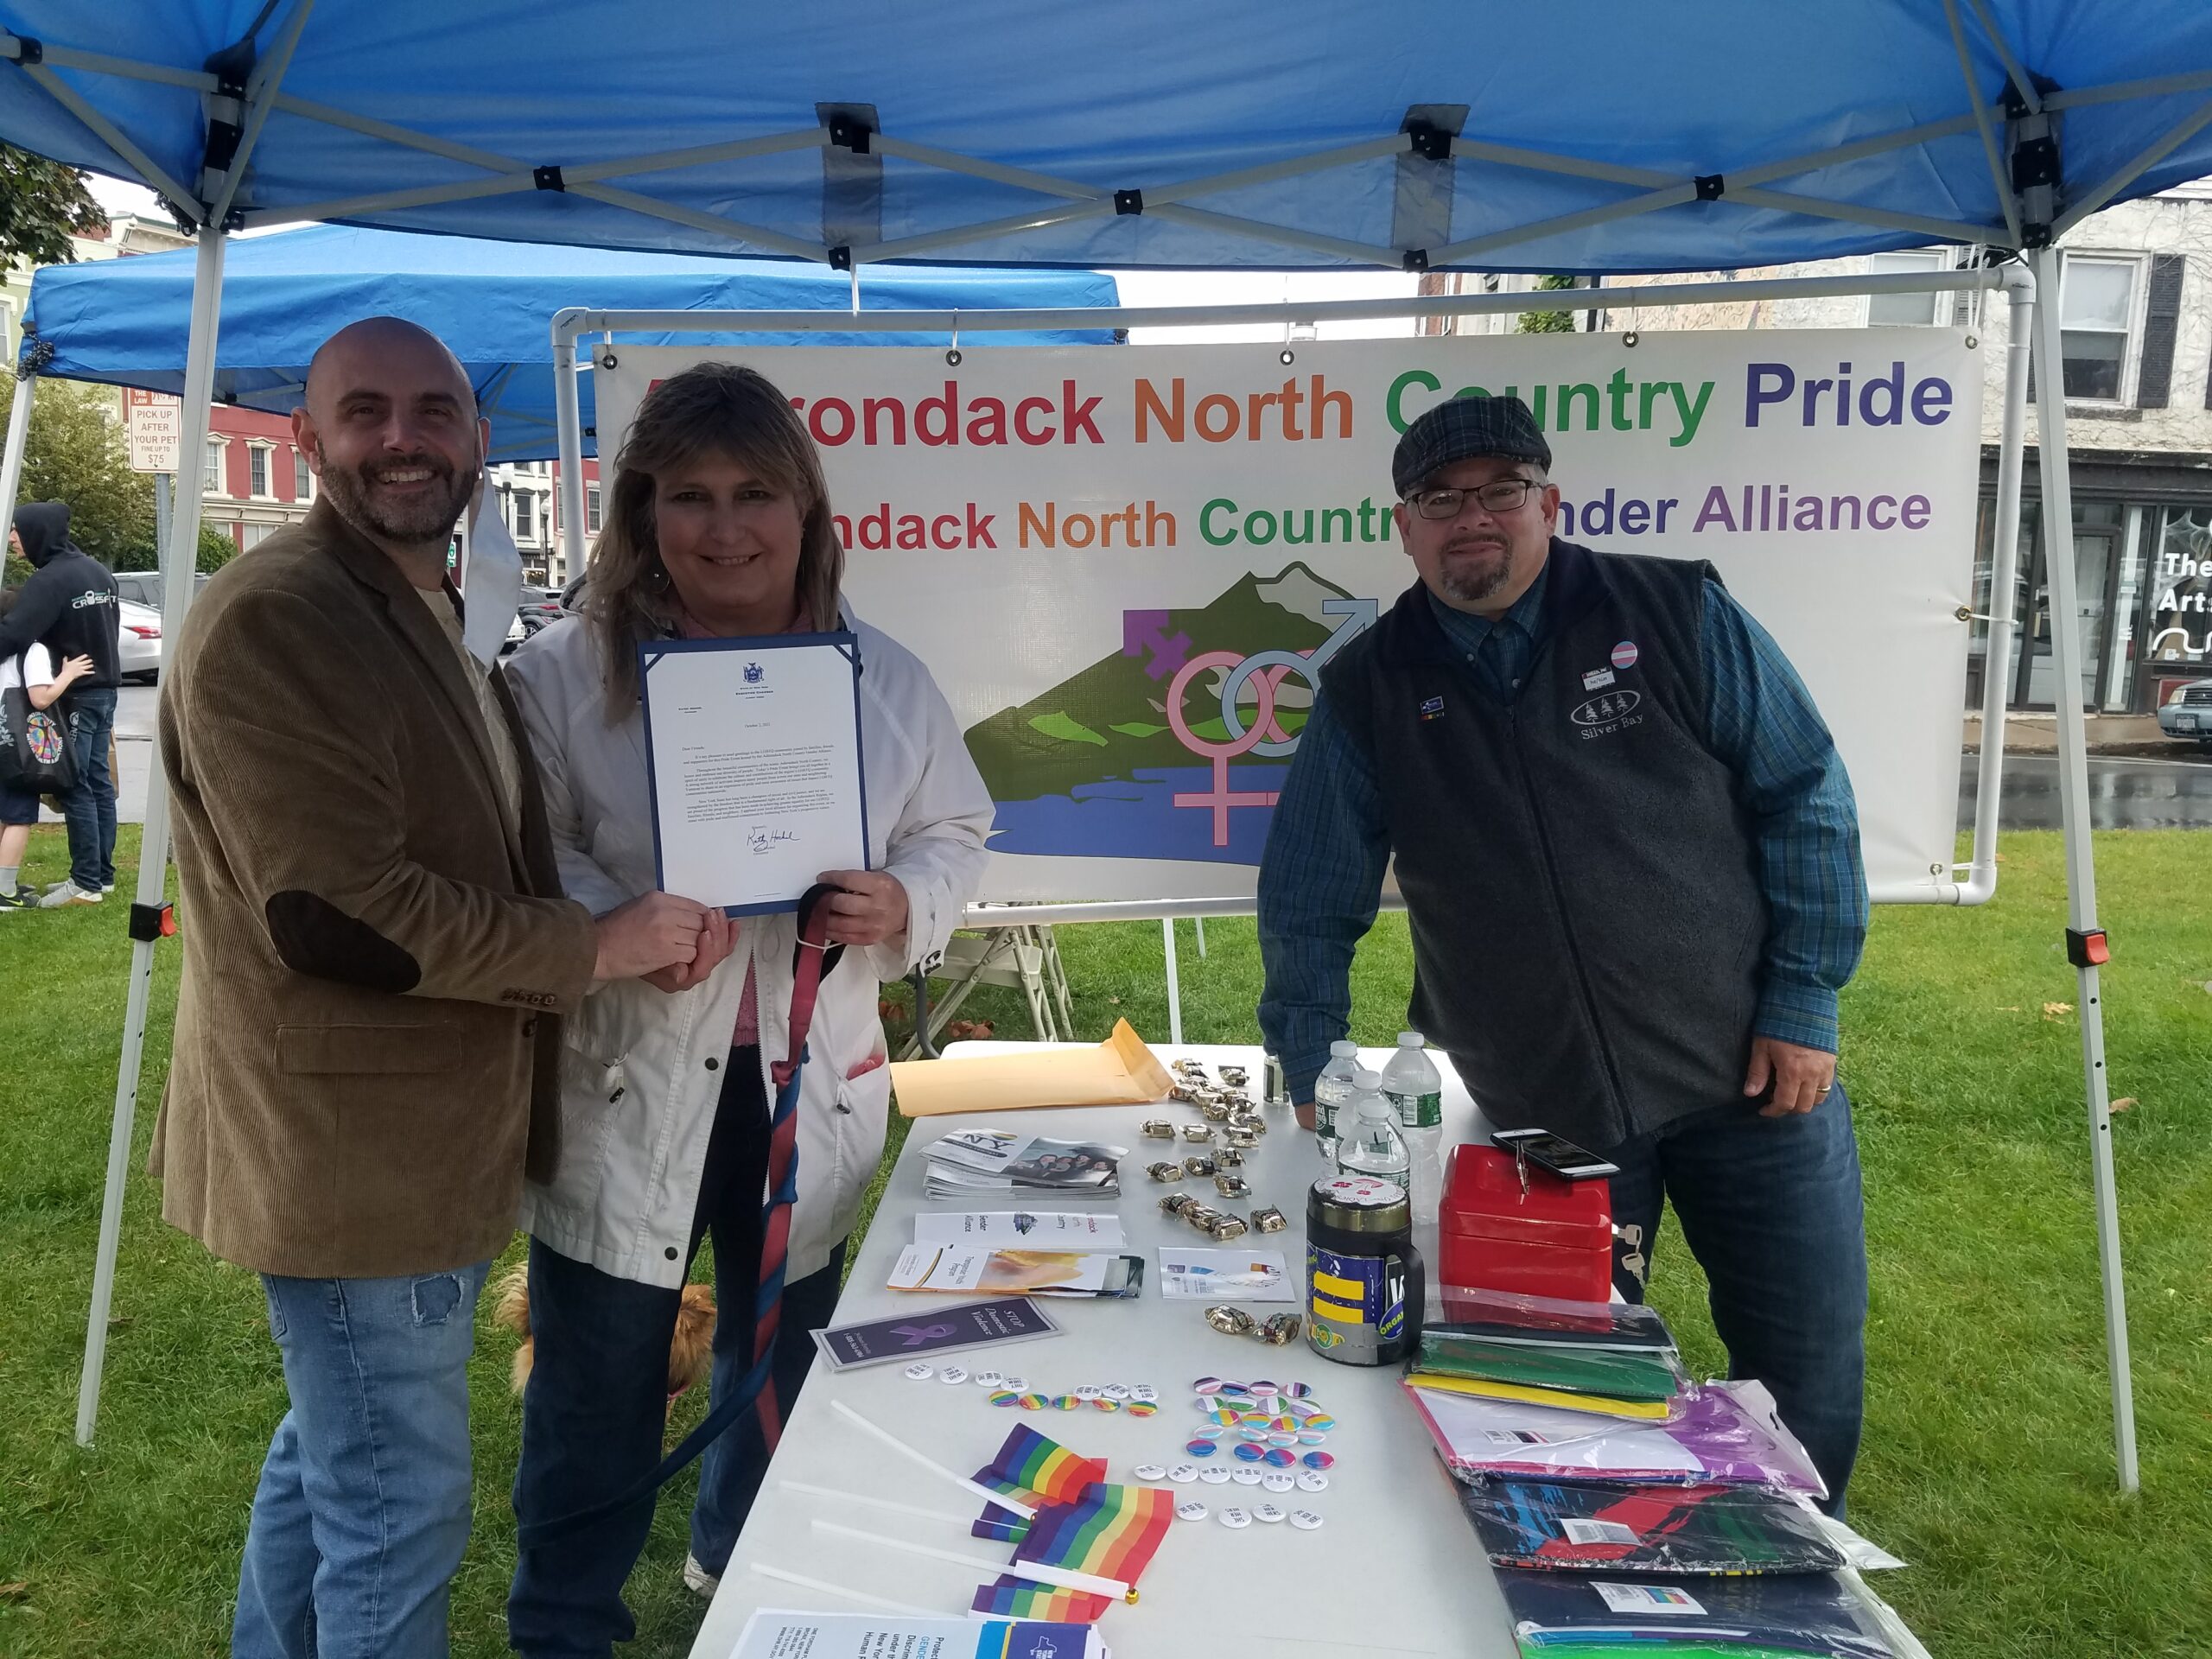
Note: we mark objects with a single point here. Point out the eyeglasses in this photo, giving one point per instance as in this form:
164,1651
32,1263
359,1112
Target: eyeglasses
1506,495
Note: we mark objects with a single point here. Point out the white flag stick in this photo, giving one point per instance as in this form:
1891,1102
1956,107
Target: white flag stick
1065,1578
931,1464
962,1521
761,1569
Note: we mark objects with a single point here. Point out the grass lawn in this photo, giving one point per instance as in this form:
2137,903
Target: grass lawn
1988,1454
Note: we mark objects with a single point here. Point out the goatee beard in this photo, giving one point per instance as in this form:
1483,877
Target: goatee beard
426,519
1473,587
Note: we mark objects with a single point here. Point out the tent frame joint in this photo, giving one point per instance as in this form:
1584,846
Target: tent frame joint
548,178
1711,187
1127,203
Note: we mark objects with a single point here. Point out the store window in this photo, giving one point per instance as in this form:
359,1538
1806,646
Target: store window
2181,594
1907,310
2096,312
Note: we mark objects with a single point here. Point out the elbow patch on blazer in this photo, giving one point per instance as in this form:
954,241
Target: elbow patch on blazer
312,936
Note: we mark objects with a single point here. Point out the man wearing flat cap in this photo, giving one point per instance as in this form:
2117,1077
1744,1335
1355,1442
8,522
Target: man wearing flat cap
1630,858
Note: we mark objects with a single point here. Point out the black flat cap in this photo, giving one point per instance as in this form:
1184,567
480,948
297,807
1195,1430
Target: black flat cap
1463,428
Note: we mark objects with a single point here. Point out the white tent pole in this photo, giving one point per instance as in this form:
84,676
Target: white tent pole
1997,174
154,844
569,423
1174,985
11,462
2074,809
1980,885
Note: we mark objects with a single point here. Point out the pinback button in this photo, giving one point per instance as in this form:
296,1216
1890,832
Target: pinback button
1184,1473
1225,1419
1312,1480
1141,1408
1298,1390
1268,1513
1018,1384
1245,1476
1261,1388
1308,1437
1005,1397
1234,1518
1201,1448
1118,1391
1089,1391
1305,1519
1151,1471
1246,1452
952,1374
1206,1385
1277,1481
1190,1509
1214,1475
1064,1402
1319,1460
919,1372
989,1380
1104,1404
1150,1396
1283,1440
1280,1458
1320,1422
1252,1436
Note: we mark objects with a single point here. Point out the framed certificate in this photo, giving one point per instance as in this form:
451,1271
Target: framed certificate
753,754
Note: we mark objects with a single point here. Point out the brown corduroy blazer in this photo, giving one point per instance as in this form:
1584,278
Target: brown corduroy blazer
376,952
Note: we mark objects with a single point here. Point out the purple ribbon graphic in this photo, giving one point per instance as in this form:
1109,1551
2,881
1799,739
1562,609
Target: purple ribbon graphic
916,1335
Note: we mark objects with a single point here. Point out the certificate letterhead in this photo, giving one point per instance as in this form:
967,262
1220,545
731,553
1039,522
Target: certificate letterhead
752,756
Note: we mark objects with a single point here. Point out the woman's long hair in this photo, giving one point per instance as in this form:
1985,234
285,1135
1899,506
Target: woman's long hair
719,409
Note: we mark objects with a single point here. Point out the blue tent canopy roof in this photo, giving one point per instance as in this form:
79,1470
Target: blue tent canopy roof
125,321
1587,135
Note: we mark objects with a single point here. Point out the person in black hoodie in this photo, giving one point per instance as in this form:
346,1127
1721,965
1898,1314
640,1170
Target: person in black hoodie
69,606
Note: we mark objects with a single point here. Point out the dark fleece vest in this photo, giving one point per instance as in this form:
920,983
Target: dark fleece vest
1587,919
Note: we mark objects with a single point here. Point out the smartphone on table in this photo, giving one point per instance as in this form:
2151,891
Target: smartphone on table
1554,1153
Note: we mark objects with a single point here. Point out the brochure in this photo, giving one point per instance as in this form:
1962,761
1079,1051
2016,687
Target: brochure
942,1330
1073,1229
1225,1275
978,1163
965,1270
773,1633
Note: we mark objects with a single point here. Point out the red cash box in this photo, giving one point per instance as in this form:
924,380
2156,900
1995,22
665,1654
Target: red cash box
1555,1239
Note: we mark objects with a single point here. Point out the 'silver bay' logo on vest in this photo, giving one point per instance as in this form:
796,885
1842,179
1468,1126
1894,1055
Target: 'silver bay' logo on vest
1598,710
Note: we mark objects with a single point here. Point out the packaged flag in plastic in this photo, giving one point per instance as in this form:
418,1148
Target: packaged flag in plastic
1509,1316
1724,1530
1728,1433
1647,1375
1782,1615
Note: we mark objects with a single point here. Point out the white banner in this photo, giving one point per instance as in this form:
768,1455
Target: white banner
1088,547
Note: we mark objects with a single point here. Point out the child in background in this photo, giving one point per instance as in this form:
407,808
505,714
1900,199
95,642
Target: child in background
34,672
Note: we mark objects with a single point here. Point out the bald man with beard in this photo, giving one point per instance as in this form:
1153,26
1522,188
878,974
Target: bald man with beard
377,960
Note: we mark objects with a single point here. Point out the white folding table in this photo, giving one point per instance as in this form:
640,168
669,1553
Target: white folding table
1395,1570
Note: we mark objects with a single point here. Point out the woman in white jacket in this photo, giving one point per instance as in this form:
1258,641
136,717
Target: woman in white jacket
720,527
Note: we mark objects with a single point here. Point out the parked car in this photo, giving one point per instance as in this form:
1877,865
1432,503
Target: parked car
537,607
2188,712
144,586
139,637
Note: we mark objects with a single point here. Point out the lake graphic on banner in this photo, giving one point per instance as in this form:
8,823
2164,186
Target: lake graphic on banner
1126,566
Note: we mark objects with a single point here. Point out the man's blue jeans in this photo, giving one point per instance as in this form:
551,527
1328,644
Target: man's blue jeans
1770,1208
363,1510
89,809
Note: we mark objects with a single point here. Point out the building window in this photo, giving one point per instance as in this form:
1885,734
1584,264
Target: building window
214,483
256,457
591,508
256,534
526,528
1907,310
2096,313
303,477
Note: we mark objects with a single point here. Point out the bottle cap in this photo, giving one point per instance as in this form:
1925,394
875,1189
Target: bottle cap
1412,1039
1343,1048
1365,1079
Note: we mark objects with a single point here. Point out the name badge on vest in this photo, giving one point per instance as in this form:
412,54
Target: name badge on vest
1432,709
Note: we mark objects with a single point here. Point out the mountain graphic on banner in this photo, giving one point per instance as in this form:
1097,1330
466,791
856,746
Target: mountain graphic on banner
1098,766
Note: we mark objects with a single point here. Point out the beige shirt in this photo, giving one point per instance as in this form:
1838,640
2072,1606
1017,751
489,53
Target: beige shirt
479,682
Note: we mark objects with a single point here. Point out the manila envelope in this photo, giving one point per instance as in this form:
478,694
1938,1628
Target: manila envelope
1119,1071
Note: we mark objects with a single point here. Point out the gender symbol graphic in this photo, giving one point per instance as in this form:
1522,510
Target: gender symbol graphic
1263,671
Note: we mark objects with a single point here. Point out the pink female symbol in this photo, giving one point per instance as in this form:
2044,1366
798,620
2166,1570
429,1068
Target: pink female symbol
1221,798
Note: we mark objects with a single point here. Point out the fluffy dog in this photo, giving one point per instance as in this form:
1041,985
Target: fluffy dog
690,1351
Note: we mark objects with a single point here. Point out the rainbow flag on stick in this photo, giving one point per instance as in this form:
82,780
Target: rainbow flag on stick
1031,1464
1010,1598
1112,1531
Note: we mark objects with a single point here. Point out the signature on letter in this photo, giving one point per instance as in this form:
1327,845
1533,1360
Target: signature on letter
761,839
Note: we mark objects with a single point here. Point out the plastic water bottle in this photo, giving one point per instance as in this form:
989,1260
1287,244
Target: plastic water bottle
1331,1094
1372,1143
1415,1089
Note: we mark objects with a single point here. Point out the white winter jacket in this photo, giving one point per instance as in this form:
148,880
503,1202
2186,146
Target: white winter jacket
643,1069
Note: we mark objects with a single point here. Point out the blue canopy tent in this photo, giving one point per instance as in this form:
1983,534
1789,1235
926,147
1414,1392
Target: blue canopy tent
124,323
1594,137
